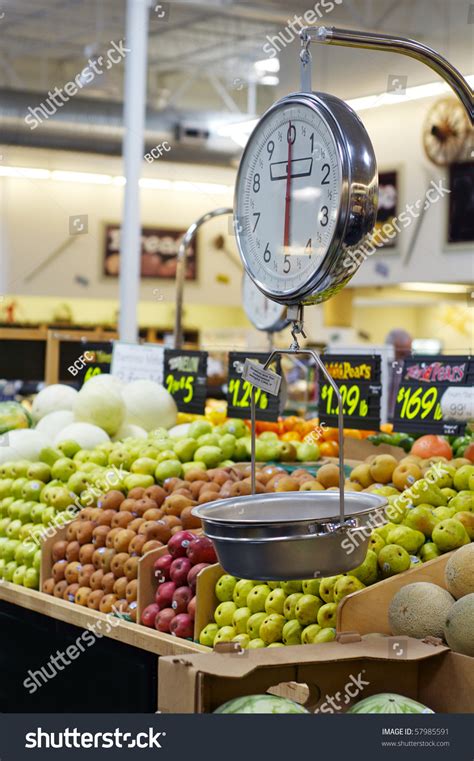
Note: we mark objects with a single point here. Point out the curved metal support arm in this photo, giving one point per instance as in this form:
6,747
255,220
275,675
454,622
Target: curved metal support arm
390,44
186,241
340,419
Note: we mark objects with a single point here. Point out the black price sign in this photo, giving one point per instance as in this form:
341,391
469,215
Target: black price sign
267,406
358,379
423,381
185,378
81,360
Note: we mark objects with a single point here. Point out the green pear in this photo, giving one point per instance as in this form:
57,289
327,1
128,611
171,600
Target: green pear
120,458
383,530
289,608
210,455
241,453
17,487
346,586
271,628
19,574
256,643
291,633
449,493
241,591
368,571
429,551
306,610
308,452
393,559
467,520
208,635
421,518
308,635
407,538
395,510
50,455
450,534
69,448
289,587
32,490
224,614
326,590
227,445
240,620
441,476
243,640
462,476
442,513
325,635
199,428
311,587
427,494
254,623
225,634
327,615
143,465
9,570
38,471
225,587
185,448
236,427
257,596
464,500
164,470
376,542
275,601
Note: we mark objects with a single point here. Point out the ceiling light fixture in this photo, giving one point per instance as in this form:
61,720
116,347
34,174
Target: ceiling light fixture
435,287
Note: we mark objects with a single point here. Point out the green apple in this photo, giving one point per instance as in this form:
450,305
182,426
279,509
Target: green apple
308,452
19,574
208,635
462,476
167,469
254,623
271,628
236,427
225,634
32,490
275,601
325,635
5,487
311,587
17,487
393,559
227,445
306,610
210,455
224,614
199,428
13,529
447,535
256,643
9,570
140,480
241,591
240,620
289,608
346,586
368,571
50,455
291,633
144,465
429,551
243,640
289,587
225,587
308,635
39,471
63,469
257,596
327,615
407,538
326,589
184,449
31,578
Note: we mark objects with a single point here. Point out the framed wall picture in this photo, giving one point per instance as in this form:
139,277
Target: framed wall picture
388,208
159,250
461,203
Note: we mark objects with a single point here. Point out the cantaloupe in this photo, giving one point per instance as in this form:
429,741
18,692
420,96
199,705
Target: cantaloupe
419,610
459,572
459,626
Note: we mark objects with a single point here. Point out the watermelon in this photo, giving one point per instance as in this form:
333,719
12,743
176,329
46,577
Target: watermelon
388,702
261,704
13,416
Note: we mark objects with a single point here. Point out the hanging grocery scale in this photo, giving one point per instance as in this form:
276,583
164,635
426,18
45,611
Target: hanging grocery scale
305,200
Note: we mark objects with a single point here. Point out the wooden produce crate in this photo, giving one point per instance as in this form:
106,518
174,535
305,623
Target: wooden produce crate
367,611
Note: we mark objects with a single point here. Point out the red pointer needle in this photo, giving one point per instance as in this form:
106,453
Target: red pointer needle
286,239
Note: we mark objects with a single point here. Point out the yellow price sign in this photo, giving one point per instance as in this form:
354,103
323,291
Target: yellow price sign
418,402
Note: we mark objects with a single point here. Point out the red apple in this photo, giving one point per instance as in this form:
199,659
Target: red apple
149,614
201,550
182,625
161,568
192,608
179,543
191,579
163,620
181,598
179,570
164,594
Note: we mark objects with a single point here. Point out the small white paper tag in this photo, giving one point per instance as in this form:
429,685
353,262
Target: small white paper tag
266,380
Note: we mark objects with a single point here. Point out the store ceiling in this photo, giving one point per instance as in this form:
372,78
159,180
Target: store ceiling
201,56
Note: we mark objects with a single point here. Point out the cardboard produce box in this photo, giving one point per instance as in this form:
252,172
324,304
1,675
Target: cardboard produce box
331,676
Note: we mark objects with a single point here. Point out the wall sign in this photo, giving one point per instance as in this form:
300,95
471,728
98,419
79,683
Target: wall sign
358,378
423,383
159,250
461,203
267,406
137,362
185,378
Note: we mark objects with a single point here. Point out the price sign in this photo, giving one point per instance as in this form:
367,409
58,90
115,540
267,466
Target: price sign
81,360
425,385
185,377
267,406
137,362
358,379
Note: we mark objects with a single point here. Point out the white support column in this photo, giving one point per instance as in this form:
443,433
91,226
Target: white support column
133,149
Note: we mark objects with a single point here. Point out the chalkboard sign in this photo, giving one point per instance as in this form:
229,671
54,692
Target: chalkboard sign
423,382
22,359
461,203
267,406
358,377
185,378
81,360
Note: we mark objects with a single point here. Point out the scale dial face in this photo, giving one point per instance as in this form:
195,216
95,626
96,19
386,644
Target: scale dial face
264,313
305,198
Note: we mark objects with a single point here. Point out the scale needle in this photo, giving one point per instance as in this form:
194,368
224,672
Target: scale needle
286,239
